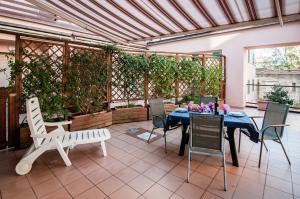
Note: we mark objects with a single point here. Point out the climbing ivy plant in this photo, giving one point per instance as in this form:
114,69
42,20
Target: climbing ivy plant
162,73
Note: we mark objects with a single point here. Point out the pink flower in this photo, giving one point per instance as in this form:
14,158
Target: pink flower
211,106
190,106
225,108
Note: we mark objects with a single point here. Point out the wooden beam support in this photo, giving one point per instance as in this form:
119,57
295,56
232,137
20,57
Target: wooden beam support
278,11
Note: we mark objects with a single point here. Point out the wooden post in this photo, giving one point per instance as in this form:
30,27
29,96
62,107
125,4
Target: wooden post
146,89
13,122
15,99
3,98
109,83
177,82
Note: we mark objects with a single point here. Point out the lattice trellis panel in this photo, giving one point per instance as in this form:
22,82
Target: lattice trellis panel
43,53
94,52
214,74
121,90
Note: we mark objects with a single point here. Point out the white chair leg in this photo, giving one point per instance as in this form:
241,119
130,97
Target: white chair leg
103,148
189,167
63,154
25,164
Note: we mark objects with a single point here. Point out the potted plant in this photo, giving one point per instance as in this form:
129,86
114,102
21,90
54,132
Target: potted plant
279,95
85,90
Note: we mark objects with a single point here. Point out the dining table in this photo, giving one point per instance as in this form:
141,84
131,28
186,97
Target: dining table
231,122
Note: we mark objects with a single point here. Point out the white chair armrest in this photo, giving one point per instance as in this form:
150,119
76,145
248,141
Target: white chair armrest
54,133
57,123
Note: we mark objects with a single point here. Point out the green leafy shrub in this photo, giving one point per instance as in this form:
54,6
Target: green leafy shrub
132,69
162,73
41,78
280,95
190,73
87,77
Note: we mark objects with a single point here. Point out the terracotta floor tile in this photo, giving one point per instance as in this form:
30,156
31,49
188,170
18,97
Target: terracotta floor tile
171,182
175,196
115,167
98,175
207,170
39,176
254,176
152,159
78,186
141,184
128,159
88,168
59,194
200,180
155,173
296,189
217,188
46,187
251,187
190,191
24,194
15,185
127,174
93,193
208,195
125,192
110,185
279,184
271,193
141,166
165,164
244,194
67,178
180,171
157,191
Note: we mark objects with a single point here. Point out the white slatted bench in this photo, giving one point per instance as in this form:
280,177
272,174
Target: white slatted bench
56,139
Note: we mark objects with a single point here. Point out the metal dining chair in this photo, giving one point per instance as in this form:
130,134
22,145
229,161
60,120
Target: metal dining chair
207,138
207,99
272,127
159,118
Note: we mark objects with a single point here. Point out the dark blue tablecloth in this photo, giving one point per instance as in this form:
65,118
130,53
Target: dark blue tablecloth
229,121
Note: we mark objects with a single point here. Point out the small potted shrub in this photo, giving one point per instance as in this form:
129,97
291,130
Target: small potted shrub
278,94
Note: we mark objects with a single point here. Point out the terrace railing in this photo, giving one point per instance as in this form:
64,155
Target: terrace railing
256,92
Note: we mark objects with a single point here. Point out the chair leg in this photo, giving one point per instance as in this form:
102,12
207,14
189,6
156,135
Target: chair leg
189,167
165,135
150,135
63,154
224,171
266,147
240,137
261,146
287,157
103,148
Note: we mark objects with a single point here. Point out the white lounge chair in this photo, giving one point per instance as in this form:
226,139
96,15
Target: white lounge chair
56,139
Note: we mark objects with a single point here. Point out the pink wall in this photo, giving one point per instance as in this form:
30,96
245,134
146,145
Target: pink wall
234,46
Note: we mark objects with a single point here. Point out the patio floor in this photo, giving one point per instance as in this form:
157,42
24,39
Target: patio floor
135,169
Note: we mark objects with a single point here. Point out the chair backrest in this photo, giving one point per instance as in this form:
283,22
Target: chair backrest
275,114
207,131
207,99
35,120
157,108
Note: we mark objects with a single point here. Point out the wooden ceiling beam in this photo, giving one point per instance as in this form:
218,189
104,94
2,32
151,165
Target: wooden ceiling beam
184,14
169,16
147,14
204,12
